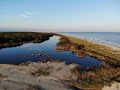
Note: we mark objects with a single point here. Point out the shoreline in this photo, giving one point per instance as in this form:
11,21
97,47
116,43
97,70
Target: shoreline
48,75
112,47
14,39
45,74
96,48
109,70
65,77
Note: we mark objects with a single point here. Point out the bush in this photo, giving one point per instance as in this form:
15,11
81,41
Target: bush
15,38
78,47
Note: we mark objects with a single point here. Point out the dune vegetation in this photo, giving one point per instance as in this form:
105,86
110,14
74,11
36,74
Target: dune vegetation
94,77
11,39
38,75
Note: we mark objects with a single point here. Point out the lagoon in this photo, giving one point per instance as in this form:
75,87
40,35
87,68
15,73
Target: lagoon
23,53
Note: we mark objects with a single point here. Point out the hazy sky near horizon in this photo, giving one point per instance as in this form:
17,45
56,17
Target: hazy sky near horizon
61,15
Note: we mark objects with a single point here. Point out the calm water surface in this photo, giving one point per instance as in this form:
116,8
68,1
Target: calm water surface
108,38
16,55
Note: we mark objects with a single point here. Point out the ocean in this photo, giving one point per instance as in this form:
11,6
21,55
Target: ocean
106,38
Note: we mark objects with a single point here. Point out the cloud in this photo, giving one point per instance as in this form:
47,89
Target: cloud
28,14
24,16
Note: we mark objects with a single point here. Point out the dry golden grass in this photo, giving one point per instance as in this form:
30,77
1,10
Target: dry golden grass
96,48
95,80
96,77
40,72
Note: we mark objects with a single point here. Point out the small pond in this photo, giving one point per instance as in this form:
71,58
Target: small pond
23,53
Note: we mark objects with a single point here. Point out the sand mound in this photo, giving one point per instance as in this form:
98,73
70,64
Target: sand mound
36,76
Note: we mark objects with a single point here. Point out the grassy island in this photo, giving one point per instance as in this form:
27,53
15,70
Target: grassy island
11,39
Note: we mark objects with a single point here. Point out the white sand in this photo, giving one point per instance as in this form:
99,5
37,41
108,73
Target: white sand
115,86
20,78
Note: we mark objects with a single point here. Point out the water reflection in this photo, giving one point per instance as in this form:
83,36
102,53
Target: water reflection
16,55
45,50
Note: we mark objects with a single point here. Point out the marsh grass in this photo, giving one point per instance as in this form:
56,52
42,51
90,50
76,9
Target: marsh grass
41,72
34,87
13,39
95,78
95,48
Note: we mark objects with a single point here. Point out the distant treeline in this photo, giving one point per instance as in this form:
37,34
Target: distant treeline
10,39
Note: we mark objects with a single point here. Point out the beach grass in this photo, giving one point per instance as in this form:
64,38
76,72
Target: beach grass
107,73
97,49
110,55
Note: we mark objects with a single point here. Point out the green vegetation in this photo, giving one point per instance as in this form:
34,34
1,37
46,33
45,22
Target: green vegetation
10,39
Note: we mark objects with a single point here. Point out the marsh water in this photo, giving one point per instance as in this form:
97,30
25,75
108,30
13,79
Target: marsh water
23,53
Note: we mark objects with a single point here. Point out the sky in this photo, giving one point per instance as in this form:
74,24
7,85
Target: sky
60,15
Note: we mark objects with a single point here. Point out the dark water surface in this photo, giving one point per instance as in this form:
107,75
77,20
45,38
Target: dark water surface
23,53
